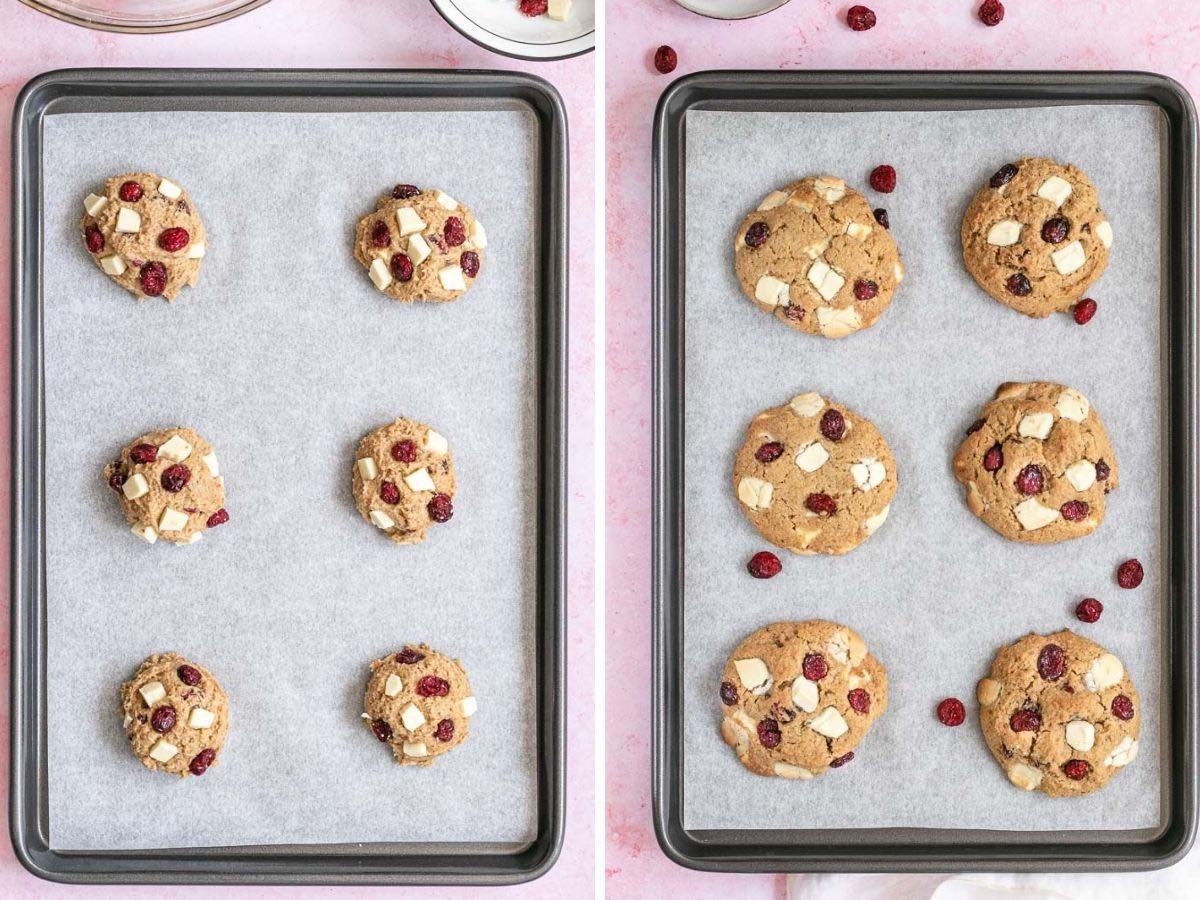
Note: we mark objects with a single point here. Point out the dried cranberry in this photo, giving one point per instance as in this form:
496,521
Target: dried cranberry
951,712
859,700
454,231
130,192
769,452
162,719
201,761
728,693
795,313
1076,769
1054,231
865,290
389,493
883,178
1130,574
1025,720
665,59
173,239
841,760
756,235
175,478
1003,175
821,504
534,8
189,675
470,263
833,425
220,517
440,508
1031,480
764,564
382,730
402,267
814,667
994,458
433,686
991,12
404,451
408,656
116,479
1075,510
768,733
405,191
1089,610
881,217
1122,707
143,453
154,278
445,731
1051,663
975,426
1102,471
381,235
1018,285
93,237
860,18
1084,310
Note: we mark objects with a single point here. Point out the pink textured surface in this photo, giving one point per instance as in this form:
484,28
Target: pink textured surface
359,34
1154,35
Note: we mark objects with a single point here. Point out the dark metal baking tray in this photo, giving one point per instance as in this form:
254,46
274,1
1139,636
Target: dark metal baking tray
96,90
869,849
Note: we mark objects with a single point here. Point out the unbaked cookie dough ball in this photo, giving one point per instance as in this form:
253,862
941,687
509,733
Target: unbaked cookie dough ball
170,486
814,477
798,697
1035,237
419,702
420,245
814,256
1037,465
144,232
403,480
1059,713
175,714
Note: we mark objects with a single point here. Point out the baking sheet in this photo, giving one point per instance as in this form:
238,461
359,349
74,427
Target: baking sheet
934,592
283,357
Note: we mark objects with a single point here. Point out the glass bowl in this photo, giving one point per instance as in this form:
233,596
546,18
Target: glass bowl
144,15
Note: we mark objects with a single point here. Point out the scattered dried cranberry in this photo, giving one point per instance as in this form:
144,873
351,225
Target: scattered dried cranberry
1051,662
154,278
433,686
143,453
883,178
534,8
1075,510
1076,769
381,235
859,700
401,266
865,290
1130,574
408,656
173,239
1084,310
201,761
1003,175
175,478
994,458
769,452
833,425
1102,471
821,504
162,719
93,237
1031,480
1089,610
764,564
756,235
454,231
881,217
189,675
991,12
841,760
1122,707
665,59
951,712
130,192
405,191
389,493
728,693
1025,720
768,733
470,263
440,508
445,731
116,479
1054,231
404,451
382,730
975,426
860,18
220,517
814,667
1018,285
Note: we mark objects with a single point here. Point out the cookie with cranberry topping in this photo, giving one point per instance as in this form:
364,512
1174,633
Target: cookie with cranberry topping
169,485
175,714
420,245
798,697
419,702
814,256
145,233
1035,237
814,477
403,480
1037,465
1059,713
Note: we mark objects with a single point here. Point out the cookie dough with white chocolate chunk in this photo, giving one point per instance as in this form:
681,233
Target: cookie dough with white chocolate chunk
814,477
170,486
403,480
420,245
144,232
1037,465
1035,237
1059,713
814,256
798,697
419,702
175,714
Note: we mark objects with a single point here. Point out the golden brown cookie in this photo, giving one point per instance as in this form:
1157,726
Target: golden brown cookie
420,245
144,232
1059,713
798,697
170,486
175,714
1037,465
1035,237
814,477
418,701
403,480
814,256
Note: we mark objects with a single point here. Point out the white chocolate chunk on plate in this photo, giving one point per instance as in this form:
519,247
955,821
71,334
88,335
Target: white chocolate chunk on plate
113,265
829,723
807,405
152,692
755,493
408,221
172,520
381,275
92,204
1004,233
129,221
754,675
1033,515
1069,259
368,469
1072,405
1104,672
170,189
1036,425
1105,233
380,519
772,200
419,480
176,449
135,486
1081,474
558,9
393,686
201,718
812,456
1055,189
772,291
1080,735
163,751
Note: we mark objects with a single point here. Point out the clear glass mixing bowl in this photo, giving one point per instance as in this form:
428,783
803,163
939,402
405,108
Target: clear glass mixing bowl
144,15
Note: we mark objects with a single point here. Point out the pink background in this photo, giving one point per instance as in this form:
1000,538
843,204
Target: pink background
358,34
807,34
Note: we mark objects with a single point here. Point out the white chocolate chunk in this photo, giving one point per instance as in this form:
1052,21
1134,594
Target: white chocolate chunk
812,456
478,235
1055,189
807,405
868,473
435,443
1004,233
1105,233
210,461
129,221
754,675
1069,259
857,231
898,271
831,190
152,692
805,694
445,201
418,249
201,718
163,751
798,773
412,717
170,189
127,721
419,481
1072,405
113,265
772,200
838,646
1033,515
1104,672
467,706
816,248
452,278
196,250
1123,754
858,678
135,486
190,539
367,469
408,221
1081,474
799,204
380,519
871,525
393,685
1026,777
176,449
415,750
172,520
1081,735
829,723
381,275
92,204
987,691
1036,425
558,9
836,323
755,493
145,532
772,291
826,280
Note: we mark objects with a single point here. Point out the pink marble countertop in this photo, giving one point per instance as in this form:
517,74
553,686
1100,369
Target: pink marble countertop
344,34
1154,35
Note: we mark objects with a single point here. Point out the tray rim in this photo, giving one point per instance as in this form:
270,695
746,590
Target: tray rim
323,864
915,849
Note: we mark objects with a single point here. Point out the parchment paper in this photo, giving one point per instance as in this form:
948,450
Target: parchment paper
934,592
283,357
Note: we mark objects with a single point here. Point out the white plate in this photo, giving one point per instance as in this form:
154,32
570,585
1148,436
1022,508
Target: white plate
730,9
499,25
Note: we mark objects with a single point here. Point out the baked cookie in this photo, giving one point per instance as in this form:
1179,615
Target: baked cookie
814,477
175,714
1059,713
403,480
1035,238
170,486
798,697
144,232
1037,465
418,701
420,245
814,256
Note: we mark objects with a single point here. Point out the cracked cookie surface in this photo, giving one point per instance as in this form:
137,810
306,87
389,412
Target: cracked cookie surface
1034,236
1059,713
813,255
814,477
1037,465
798,697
